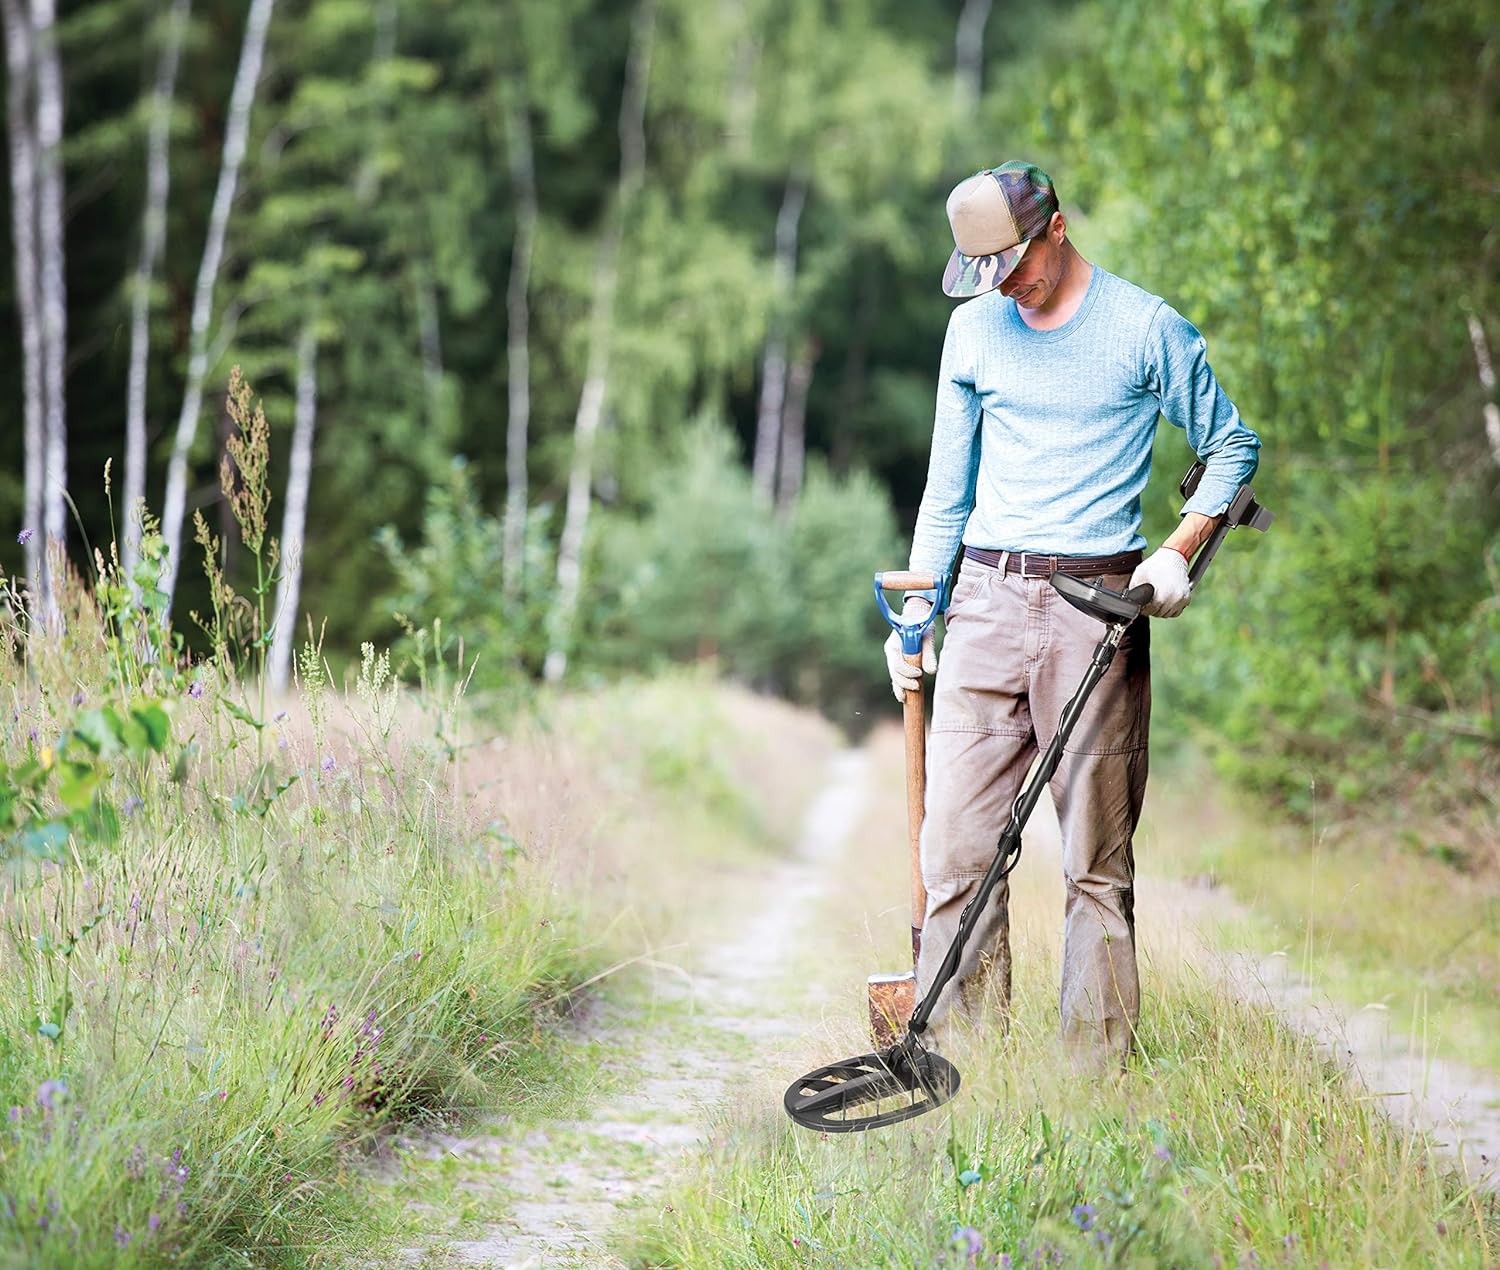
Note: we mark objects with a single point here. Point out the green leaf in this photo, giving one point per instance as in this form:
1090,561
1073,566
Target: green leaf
244,716
101,730
158,724
79,781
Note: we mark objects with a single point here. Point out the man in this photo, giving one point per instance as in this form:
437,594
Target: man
1053,378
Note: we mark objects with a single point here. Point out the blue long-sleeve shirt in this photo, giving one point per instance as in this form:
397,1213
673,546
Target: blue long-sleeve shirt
1042,439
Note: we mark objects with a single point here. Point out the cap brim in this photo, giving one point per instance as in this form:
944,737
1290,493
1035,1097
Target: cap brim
974,275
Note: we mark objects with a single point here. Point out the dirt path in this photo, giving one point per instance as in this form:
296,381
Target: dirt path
1457,1106
676,1037
739,1010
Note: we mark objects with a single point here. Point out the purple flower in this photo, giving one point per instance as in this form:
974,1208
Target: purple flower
1161,1153
968,1241
24,536
135,1166
153,1222
131,805
195,689
122,1237
182,1208
328,763
48,1092
1083,1216
1005,1261
15,1114
77,698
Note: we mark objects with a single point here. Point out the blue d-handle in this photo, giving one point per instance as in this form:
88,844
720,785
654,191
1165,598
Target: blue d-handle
911,632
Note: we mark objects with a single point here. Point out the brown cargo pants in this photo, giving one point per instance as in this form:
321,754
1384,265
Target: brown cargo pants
1014,654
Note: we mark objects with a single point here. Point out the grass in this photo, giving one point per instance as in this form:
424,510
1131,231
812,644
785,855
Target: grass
1229,1142
1366,916
239,952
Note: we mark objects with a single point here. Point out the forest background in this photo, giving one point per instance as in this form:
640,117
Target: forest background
605,333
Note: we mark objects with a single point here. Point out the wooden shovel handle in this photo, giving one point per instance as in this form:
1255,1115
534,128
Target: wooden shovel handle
905,580
916,795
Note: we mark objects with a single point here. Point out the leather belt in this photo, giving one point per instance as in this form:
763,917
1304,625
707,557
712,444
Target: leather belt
1030,564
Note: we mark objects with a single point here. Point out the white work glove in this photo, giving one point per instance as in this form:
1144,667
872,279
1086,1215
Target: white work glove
1167,572
904,676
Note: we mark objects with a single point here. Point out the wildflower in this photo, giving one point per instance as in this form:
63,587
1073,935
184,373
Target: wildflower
77,698
15,1114
195,689
135,1166
279,717
968,1241
48,1092
182,1208
1005,1262
328,763
153,1222
1442,1228
122,1237
1083,1216
796,1243
24,536
131,805
1161,1153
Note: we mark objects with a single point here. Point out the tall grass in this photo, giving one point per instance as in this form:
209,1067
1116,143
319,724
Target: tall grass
1229,1143
239,941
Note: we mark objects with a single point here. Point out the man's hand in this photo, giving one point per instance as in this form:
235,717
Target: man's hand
904,676
1166,569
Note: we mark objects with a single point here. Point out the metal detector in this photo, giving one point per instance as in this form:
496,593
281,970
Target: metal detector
906,1079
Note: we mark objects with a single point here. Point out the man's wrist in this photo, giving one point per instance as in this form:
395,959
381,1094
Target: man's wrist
1187,559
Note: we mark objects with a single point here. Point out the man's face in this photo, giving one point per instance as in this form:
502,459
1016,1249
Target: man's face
1032,282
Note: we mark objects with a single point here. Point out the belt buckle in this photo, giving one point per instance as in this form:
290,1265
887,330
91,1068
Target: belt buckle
1027,557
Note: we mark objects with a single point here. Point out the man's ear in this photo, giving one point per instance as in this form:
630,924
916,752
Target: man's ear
1057,228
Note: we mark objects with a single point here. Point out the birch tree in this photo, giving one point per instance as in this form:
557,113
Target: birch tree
51,281
153,242
773,364
294,515
595,392
20,120
794,427
518,337
968,56
242,99
1487,382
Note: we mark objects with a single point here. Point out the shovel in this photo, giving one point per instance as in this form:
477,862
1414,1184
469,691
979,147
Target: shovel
892,997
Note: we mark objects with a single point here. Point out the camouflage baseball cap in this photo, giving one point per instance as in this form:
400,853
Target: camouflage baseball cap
995,214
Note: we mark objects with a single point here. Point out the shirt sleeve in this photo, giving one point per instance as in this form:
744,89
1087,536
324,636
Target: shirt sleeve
1178,374
953,467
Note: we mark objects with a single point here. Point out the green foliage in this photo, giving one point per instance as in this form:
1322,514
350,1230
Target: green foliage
708,572
237,957
449,584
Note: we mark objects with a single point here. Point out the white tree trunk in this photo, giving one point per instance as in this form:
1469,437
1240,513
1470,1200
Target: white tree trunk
1487,382
518,341
968,56
773,365
52,279
601,333
20,120
794,427
241,99
294,517
153,241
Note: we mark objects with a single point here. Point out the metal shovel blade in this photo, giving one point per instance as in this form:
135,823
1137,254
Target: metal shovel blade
872,1090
